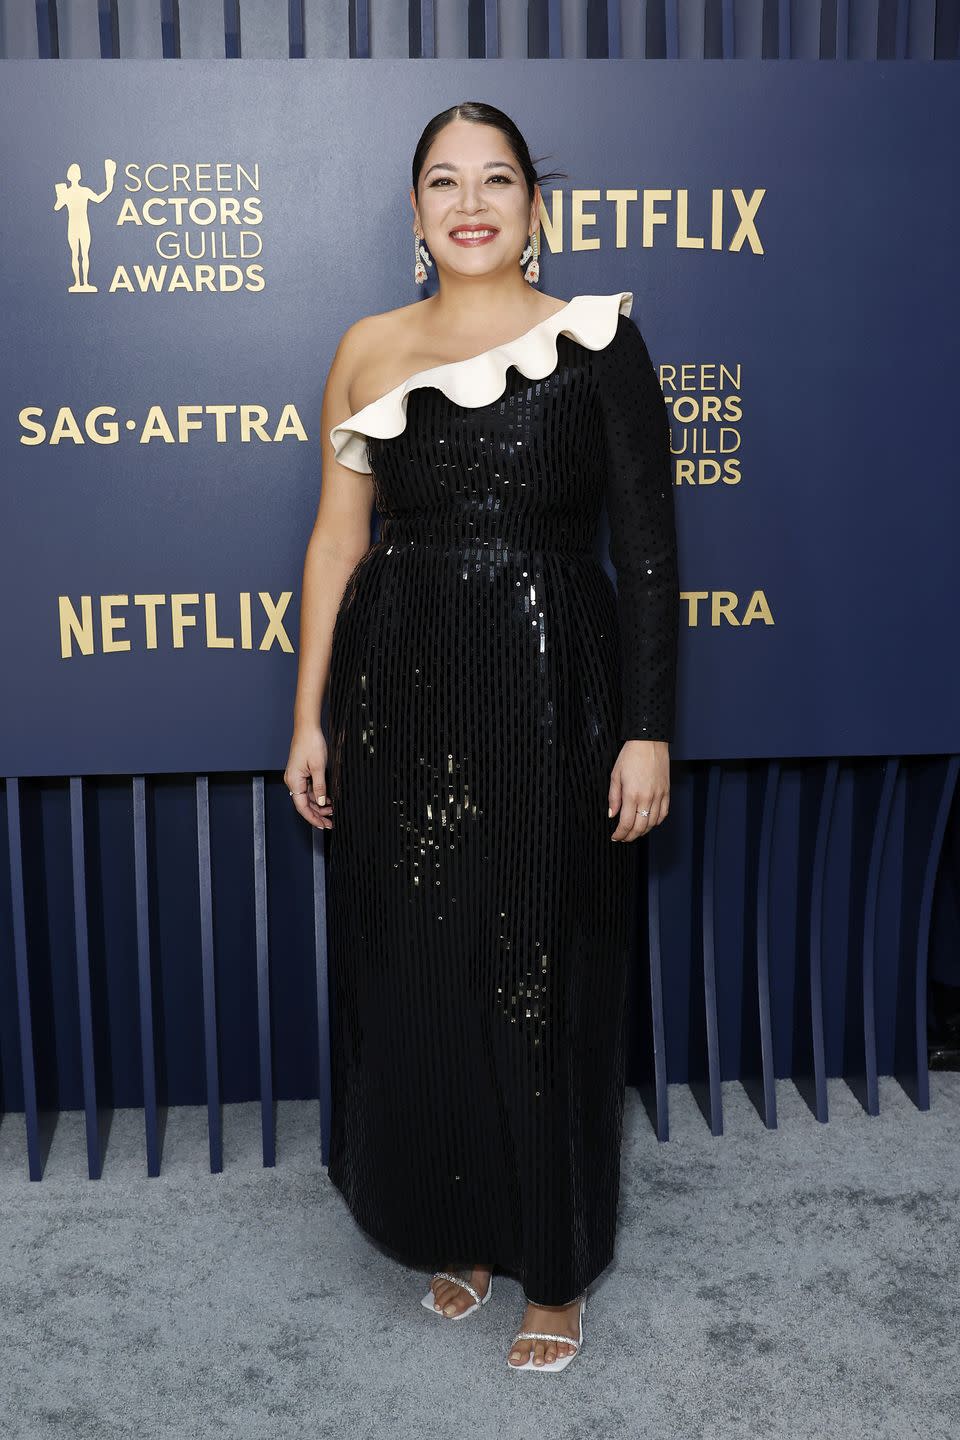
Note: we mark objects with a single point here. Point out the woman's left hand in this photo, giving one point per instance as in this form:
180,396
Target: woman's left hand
640,780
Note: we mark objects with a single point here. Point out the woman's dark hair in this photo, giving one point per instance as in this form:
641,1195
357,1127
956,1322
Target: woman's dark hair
479,113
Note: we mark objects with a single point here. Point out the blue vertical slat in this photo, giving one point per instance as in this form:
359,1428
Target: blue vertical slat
360,29
48,30
672,30
903,30
818,880
232,39
423,44
708,902
554,30
842,43
296,29
767,830
729,30
491,25
170,29
323,990
614,31
211,1052
28,1064
539,37
654,940
922,1093
267,1127
144,972
784,31
84,998
881,822
109,23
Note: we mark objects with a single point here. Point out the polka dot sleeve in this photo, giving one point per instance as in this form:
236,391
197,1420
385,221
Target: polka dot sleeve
643,546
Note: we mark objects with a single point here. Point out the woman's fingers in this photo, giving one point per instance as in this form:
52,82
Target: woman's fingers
633,823
303,800
645,823
307,790
613,793
322,803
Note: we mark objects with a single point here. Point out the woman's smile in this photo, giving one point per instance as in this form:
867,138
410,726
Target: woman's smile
473,234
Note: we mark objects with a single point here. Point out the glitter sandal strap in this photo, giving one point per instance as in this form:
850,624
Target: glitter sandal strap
544,1335
459,1280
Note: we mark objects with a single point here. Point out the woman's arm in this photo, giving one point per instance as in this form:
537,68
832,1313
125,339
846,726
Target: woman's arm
338,541
643,549
643,541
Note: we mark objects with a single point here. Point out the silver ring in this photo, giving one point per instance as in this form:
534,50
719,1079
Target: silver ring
644,812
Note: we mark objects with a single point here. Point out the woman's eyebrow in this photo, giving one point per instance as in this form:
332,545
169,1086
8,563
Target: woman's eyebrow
490,165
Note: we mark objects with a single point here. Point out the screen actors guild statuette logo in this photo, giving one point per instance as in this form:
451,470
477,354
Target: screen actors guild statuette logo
75,198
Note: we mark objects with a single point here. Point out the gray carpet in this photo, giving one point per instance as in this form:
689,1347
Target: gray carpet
799,1282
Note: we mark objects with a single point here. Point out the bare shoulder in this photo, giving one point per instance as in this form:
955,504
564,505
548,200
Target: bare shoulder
369,347
372,330
360,343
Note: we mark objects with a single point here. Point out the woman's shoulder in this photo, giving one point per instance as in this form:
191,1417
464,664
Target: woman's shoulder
379,326
627,348
370,331
371,346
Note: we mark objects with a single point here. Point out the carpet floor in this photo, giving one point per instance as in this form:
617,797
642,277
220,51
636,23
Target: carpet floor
768,1285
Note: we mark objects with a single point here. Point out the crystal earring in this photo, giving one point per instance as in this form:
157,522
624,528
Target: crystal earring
532,272
421,254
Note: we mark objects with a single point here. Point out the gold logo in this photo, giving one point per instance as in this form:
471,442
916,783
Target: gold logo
189,226
76,199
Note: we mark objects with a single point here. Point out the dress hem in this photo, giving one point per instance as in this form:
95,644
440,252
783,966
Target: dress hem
446,1262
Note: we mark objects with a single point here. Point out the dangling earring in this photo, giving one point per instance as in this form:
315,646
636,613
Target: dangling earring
421,253
532,272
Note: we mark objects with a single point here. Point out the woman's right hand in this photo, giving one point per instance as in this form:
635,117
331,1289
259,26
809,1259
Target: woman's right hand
304,775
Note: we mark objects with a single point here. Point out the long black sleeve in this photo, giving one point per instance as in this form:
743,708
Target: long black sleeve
643,543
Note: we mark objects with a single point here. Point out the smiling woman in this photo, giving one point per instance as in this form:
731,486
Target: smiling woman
499,719
512,171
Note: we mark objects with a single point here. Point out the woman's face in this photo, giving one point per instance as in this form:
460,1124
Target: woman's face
470,178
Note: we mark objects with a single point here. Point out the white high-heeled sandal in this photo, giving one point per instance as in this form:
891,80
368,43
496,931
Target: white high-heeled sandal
562,1361
429,1300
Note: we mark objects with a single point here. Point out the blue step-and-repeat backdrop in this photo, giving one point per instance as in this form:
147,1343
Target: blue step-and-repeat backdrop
183,245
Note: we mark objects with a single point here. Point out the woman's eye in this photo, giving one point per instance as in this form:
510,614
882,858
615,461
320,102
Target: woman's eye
445,179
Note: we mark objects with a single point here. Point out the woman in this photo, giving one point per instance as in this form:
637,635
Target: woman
500,719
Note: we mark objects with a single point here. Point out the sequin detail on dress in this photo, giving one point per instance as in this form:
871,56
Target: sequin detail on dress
483,676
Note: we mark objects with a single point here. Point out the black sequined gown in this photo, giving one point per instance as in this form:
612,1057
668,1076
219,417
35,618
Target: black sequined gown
484,674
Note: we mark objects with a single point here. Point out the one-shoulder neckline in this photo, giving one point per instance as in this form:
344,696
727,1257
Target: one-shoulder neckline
478,379
465,360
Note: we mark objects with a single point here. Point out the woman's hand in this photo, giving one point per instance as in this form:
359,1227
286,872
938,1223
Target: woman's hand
640,780
304,775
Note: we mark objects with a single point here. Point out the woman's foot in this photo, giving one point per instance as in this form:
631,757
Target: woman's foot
453,1299
556,1320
